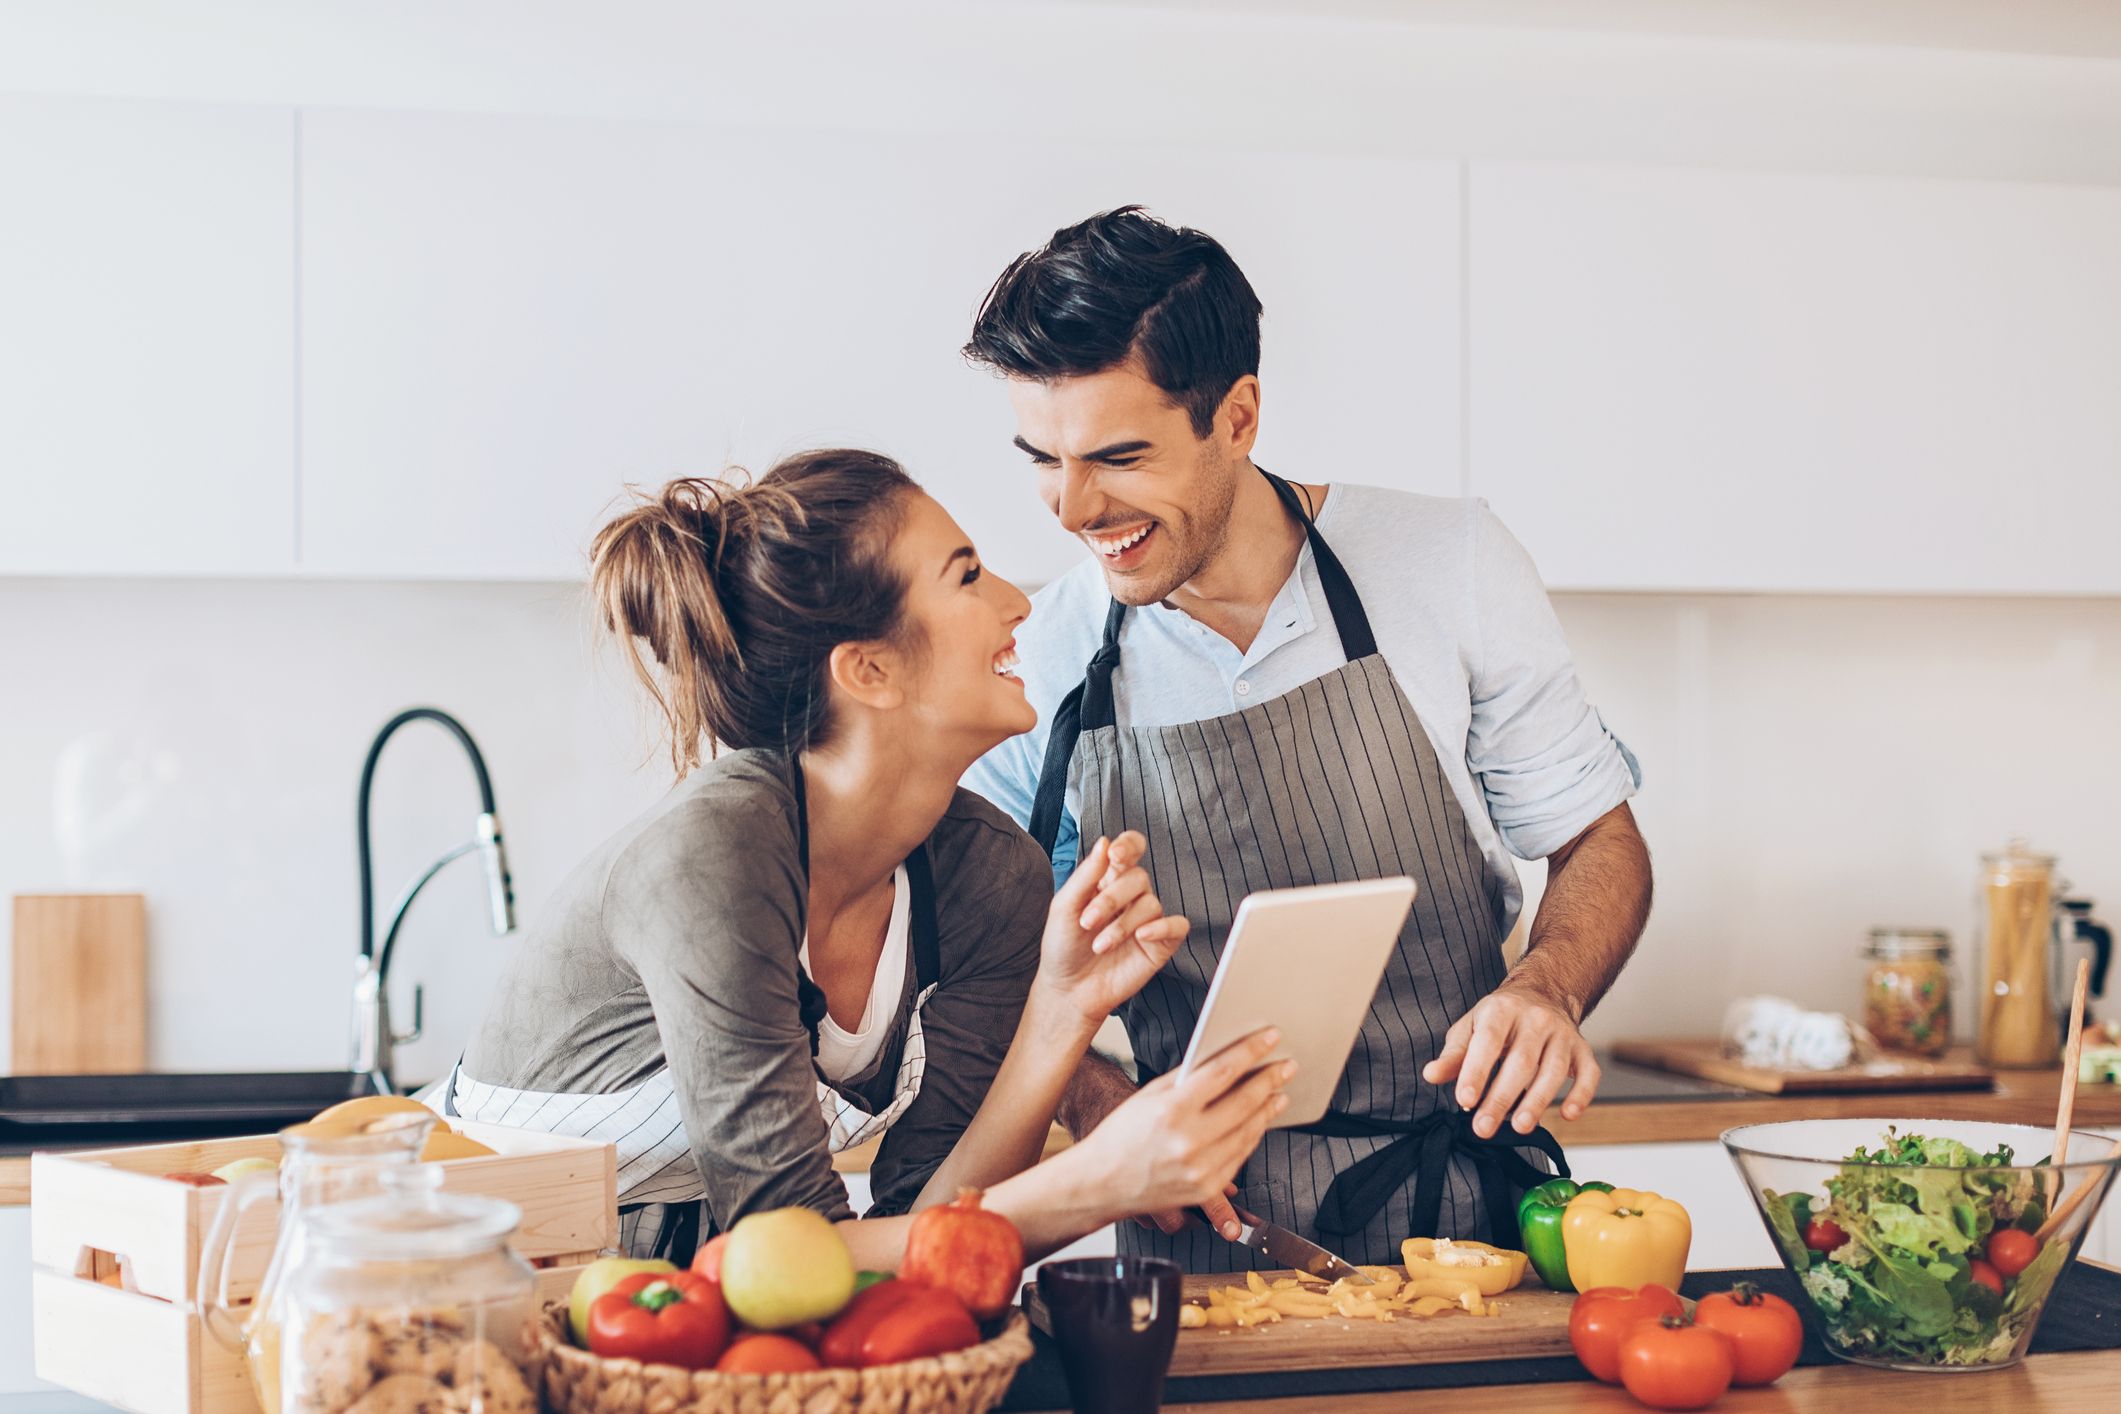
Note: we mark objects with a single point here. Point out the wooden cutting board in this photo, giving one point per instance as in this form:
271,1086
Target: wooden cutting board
80,984
1533,1322
1705,1060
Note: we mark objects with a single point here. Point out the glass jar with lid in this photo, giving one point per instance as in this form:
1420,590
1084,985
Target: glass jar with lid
1907,993
409,1303
319,1167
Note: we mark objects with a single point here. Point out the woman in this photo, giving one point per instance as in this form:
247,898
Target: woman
817,938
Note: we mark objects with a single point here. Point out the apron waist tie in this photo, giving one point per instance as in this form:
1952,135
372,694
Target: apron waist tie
1424,1146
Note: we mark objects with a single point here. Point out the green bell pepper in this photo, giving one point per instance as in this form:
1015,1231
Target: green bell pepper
1539,1219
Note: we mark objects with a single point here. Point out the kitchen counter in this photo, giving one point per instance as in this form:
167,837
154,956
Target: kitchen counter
2080,1380
1647,1107
2020,1097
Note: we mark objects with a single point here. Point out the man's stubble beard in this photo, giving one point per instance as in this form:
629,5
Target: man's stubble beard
1206,532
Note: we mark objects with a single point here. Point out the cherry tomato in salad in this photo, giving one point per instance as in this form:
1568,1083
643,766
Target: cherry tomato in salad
1604,1314
1824,1234
1671,1363
1987,1275
2011,1251
1764,1331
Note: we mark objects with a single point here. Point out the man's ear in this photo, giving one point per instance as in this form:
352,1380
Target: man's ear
1237,420
867,673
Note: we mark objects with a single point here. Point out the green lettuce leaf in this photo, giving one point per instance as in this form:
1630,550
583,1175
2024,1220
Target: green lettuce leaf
2031,1287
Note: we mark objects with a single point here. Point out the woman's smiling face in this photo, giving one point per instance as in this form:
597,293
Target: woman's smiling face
960,633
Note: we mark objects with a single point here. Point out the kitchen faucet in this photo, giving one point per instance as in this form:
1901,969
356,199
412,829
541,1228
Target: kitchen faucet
374,1040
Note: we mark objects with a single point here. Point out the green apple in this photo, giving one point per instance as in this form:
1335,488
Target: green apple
599,1277
236,1168
786,1267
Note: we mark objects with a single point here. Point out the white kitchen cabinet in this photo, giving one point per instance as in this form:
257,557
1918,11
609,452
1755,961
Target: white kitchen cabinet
146,338
504,319
1688,379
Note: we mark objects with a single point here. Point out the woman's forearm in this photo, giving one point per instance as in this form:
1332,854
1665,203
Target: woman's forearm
1008,1133
1052,1204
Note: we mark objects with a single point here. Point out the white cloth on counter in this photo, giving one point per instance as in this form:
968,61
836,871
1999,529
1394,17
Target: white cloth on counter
1774,1033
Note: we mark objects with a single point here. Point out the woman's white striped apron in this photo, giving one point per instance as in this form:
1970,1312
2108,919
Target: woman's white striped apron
1334,781
659,1184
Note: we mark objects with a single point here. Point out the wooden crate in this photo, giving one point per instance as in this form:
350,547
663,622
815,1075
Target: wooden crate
117,1250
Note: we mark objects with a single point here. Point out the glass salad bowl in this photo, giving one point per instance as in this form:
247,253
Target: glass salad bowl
1915,1239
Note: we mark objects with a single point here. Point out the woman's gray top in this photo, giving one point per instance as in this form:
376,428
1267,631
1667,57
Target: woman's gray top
676,944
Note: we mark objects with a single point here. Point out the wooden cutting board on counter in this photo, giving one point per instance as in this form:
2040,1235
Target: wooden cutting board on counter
80,984
1533,1322
1705,1060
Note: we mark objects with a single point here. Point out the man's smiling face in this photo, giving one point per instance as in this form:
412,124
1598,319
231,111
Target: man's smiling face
1121,467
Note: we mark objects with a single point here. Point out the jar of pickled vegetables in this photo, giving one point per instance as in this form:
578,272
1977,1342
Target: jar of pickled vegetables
1907,996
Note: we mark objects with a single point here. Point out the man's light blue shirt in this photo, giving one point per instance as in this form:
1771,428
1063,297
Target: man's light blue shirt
1462,620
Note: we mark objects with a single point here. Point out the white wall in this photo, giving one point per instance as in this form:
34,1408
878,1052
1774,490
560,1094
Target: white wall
1814,767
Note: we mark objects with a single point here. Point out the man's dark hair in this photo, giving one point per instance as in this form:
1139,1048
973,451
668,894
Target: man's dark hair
1119,284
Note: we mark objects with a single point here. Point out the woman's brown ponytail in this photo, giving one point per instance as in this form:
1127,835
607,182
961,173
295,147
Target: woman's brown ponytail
739,594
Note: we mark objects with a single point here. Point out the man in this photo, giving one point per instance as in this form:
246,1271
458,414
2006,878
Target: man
1293,683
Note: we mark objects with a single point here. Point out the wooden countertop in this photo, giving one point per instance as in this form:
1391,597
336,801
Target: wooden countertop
2020,1097
2079,1380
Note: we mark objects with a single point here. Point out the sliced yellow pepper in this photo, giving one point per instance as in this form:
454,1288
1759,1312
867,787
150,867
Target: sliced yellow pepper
1492,1269
1459,1289
1628,1237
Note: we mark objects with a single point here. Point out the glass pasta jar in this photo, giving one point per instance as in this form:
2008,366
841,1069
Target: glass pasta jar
2017,925
1907,994
410,1303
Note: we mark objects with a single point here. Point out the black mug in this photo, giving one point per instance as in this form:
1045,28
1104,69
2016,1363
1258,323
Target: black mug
1115,1320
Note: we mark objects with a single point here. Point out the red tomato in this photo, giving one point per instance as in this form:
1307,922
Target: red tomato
842,1344
1764,1330
661,1318
1602,1315
2011,1251
1824,1234
707,1262
766,1355
929,1322
1672,1363
1987,1275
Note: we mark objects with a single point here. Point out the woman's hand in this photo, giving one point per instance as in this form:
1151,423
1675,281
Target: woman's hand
1106,933
1176,1144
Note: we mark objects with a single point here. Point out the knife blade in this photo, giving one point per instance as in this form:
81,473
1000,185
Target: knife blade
1285,1248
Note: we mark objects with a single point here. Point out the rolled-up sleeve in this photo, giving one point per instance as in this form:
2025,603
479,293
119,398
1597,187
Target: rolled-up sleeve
1546,762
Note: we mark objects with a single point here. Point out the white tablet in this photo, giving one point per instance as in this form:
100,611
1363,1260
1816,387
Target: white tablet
1309,961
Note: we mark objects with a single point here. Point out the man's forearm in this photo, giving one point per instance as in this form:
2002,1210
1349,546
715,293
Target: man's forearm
1098,1088
1596,903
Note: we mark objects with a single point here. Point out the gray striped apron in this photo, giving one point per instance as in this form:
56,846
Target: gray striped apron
1334,781
660,1192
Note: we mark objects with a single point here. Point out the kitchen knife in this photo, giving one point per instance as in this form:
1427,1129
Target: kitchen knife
1285,1249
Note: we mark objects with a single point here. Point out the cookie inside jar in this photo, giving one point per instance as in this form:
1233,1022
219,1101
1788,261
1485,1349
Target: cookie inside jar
409,1303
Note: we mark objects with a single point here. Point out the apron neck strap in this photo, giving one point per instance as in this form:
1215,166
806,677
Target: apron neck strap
923,930
1349,618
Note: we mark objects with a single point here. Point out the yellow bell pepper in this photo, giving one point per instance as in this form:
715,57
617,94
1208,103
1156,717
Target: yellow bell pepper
1492,1270
1628,1237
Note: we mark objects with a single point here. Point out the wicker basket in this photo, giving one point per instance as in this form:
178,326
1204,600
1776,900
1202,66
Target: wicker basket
962,1382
